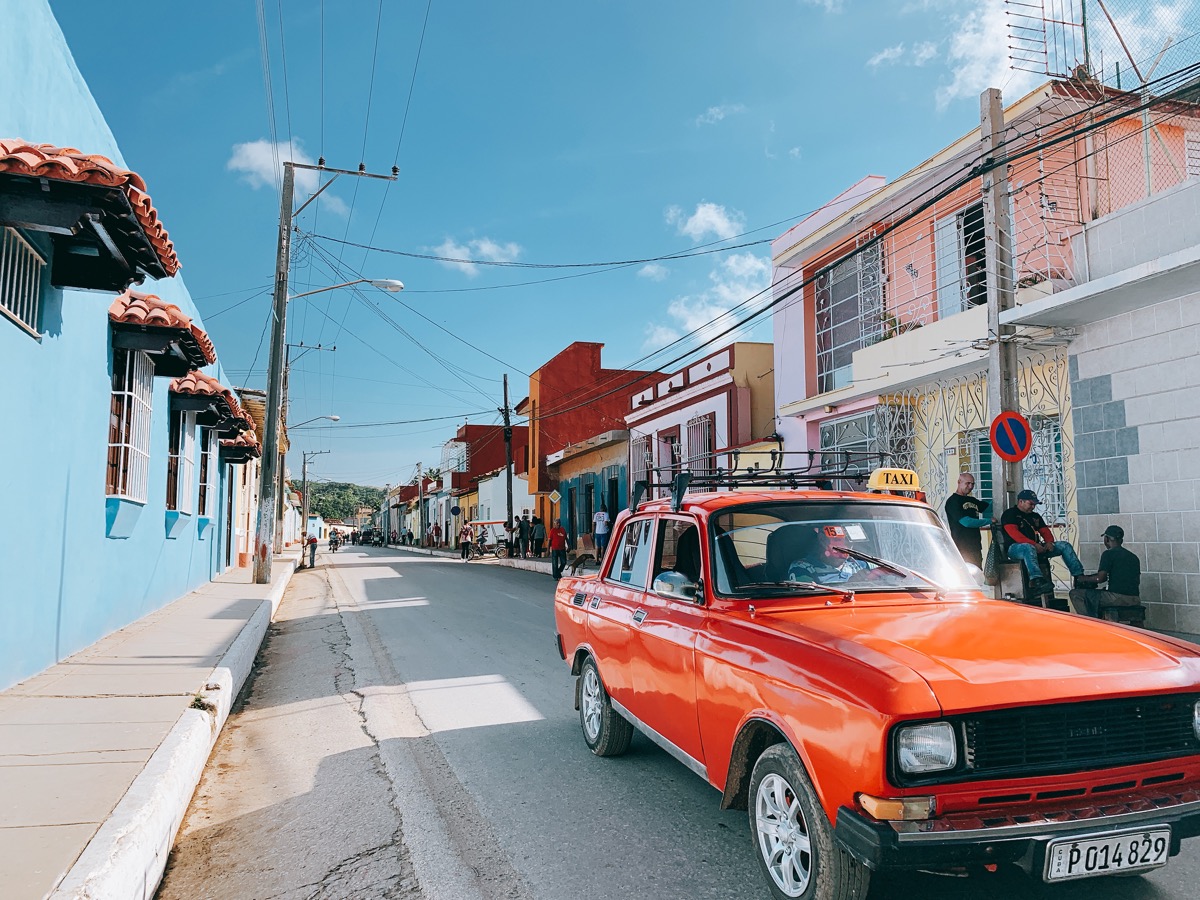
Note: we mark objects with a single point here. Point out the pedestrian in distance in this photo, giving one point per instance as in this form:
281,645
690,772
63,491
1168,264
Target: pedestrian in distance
558,550
1122,571
523,530
1029,540
538,536
600,524
965,514
464,541
312,551
437,534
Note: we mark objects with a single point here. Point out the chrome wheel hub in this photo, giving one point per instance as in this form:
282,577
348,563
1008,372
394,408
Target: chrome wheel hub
783,837
592,703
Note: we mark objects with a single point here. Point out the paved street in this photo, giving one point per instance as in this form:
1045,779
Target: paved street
410,733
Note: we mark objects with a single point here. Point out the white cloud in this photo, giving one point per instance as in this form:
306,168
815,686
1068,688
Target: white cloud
654,272
709,218
478,248
715,114
256,160
886,55
977,55
924,52
794,152
733,281
827,5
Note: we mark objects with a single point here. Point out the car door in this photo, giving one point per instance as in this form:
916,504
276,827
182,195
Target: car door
612,603
664,664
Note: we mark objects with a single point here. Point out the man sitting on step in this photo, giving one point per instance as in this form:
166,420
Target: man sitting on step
1120,568
1029,540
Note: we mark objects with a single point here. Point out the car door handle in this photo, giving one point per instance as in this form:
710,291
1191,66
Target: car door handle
639,616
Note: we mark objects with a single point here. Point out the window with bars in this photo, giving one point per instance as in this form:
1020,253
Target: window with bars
960,251
129,425
849,314
1192,154
181,462
207,495
21,281
857,434
701,447
639,459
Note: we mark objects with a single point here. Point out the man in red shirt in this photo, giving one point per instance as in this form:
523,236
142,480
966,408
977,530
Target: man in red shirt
558,550
1029,540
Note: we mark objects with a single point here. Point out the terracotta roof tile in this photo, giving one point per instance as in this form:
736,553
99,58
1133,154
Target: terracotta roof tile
68,164
133,308
246,442
196,382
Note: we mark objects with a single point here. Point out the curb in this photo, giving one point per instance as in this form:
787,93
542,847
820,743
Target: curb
529,565
126,857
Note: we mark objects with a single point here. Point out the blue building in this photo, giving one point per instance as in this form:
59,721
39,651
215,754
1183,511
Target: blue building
121,433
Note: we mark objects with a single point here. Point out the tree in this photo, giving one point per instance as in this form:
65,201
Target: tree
340,500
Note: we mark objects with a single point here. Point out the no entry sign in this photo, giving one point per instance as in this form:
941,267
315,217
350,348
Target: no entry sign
1012,438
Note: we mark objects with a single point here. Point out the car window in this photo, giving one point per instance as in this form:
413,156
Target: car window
677,548
631,563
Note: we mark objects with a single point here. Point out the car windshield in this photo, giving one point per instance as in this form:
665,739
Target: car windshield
764,549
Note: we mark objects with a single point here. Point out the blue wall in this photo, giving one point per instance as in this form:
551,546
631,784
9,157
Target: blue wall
577,522
63,582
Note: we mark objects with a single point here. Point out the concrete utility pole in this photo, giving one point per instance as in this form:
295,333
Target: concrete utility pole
264,532
420,505
283,417
304,490
508,460
1001,293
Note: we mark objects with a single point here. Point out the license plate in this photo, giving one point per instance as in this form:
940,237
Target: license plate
1084,857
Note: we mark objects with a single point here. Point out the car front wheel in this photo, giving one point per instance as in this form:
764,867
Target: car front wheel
796,847
604,730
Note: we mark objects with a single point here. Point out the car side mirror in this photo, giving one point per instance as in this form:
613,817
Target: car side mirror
675,586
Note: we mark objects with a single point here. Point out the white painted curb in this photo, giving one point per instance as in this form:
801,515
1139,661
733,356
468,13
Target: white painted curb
126,857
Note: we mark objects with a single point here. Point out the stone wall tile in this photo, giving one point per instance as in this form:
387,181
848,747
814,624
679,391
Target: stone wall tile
1166,316
1161,617
1169,526
1108,501
1116,471
1166,466
1127,442
1185,558
1104,445
1130,496
1114,414
1143,527
1173,588
1158,558
1181,495
1154,497
1193,590
1092,474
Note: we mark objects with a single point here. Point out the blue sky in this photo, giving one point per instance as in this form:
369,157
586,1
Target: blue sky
538,132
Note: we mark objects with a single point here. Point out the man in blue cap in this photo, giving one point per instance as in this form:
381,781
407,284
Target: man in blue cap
1029,540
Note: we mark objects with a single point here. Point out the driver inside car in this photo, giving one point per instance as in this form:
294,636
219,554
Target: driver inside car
821,563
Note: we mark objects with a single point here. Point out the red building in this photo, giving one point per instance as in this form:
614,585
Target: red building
572,398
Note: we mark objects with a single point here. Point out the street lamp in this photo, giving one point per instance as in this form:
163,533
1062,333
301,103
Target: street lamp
269,492
317,419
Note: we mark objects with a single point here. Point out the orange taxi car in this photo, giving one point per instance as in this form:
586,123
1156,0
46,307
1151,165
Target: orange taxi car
826,661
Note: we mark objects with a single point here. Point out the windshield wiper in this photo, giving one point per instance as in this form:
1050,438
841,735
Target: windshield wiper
895,568
847,595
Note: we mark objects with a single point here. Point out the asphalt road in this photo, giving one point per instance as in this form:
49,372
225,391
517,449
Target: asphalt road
410,732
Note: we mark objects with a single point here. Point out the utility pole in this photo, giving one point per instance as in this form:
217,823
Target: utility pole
387,514
283,417
1002,350
304,489
508,460
264,532
421,505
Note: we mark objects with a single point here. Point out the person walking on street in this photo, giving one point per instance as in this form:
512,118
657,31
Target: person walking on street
965,516
464,541
1029,540
312,551
558,550
600,530
538,535
1120,568
523,535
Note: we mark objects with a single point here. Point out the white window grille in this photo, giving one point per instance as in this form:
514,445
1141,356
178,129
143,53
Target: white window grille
639,459
209,448
181,463
129,425
20,280
846,443
701,458
849,314
1192,152
1042,470
959,249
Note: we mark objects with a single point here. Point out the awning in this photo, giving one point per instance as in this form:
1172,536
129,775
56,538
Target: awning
147,323
106,232
216,404
241,449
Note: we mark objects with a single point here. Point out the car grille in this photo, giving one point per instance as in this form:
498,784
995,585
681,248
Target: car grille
1038,740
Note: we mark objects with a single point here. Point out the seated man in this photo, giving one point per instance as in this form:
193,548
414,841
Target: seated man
1029,540
1120,568
821,563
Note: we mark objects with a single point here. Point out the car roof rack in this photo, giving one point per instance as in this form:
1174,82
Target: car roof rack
819,471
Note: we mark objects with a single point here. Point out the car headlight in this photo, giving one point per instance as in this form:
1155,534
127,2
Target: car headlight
1196,719
929,748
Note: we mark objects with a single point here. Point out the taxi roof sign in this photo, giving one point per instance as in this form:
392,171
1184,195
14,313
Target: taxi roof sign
894,480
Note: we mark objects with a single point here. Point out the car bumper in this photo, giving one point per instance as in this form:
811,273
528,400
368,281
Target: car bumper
1021,838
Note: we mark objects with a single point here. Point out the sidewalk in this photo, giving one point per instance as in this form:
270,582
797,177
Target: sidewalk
100,754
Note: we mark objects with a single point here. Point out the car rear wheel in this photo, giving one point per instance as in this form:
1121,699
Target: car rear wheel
604,731
796,847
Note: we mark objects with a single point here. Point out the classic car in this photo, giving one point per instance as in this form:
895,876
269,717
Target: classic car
828,662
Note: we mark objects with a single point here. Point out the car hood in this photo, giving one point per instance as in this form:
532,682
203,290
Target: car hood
982,654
